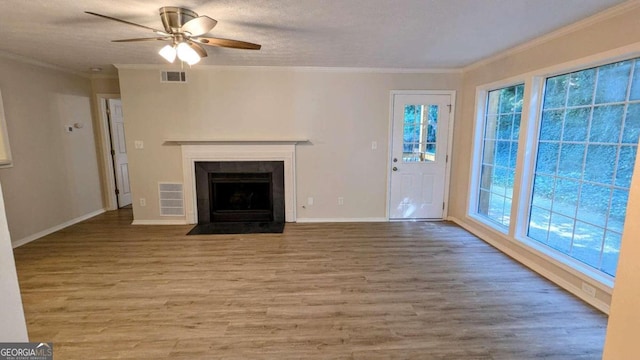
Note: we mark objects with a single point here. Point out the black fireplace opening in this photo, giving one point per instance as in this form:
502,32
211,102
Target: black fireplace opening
235,197
241,197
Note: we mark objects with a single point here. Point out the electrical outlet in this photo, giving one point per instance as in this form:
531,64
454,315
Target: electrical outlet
590,290
143,202
340,200
309,201
138,144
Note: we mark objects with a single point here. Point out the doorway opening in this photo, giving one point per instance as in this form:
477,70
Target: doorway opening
114,147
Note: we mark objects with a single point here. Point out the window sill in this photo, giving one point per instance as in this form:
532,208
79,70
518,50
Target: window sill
488,223
579,269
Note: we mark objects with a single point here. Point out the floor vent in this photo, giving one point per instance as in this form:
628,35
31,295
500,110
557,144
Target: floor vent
171,199
173,76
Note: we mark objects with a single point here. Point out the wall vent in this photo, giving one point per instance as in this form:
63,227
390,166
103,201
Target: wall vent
171,199
173,76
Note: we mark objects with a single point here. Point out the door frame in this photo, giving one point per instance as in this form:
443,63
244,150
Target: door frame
111,200
447,176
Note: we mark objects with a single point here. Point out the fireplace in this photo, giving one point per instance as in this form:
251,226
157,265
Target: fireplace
193,151
239,196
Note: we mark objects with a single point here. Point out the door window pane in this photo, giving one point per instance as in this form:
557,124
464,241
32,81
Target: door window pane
587,144
499,153
419,133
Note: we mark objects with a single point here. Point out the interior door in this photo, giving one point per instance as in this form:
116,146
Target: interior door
419,155
119,152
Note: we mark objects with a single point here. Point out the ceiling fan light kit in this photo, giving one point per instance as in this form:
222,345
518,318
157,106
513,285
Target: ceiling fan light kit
168,52
187,54
184,28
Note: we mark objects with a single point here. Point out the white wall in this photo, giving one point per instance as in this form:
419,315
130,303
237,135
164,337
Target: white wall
340,111
13,327
55,176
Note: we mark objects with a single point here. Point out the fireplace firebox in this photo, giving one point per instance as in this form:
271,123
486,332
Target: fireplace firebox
239,197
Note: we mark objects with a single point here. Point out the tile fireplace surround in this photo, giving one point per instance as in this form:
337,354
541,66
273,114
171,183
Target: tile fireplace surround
237,150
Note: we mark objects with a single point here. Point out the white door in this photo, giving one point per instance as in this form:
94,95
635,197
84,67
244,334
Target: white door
119,152
419,155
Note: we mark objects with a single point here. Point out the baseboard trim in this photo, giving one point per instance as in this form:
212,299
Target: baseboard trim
159,222
553,277
51,230
337,220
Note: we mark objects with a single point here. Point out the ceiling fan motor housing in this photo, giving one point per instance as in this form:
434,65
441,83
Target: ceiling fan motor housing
174,17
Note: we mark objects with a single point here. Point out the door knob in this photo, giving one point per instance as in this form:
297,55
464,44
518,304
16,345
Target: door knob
395,168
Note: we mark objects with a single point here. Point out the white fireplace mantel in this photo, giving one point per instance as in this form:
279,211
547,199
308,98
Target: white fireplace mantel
237,150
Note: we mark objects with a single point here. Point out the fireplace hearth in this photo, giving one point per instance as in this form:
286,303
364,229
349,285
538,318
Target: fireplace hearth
236,197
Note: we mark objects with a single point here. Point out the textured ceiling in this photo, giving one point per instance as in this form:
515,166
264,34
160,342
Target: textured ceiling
413,34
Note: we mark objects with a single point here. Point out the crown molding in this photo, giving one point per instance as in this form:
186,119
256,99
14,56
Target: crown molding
581,24
30,61
290,68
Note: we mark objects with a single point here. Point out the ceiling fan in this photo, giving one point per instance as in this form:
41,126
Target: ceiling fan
184,29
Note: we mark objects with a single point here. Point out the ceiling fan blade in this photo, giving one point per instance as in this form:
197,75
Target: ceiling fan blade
143,39
235,44
198,26
199,49
159,32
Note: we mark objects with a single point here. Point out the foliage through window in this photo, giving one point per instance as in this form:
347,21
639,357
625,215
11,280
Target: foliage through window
420,129
499,153
587,144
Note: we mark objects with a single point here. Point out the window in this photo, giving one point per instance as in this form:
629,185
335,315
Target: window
586,148
499,152
419,138
569,195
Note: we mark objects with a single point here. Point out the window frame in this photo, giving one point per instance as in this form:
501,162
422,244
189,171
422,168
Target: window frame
534,82
482,96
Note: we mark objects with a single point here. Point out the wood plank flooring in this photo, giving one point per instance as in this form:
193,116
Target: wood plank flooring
103,289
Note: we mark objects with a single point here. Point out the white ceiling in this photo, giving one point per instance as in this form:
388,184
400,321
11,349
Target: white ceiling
414,34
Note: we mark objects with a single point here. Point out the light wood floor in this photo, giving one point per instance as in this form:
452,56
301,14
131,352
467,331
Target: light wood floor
104,289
